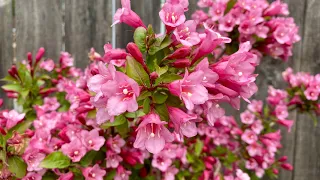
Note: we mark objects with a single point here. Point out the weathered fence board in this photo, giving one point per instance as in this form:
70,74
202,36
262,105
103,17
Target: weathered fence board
307,154
6,54
38,24
87,24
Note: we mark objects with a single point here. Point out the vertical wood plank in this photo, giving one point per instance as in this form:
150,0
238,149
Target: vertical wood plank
192,8
148,12
6,25
307,154
39,24
87,24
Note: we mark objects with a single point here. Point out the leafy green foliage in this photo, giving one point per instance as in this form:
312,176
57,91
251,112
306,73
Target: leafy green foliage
198,147
139,37
17,166
146,106
136,72
160,96
162,110
55,160
161,43
117,121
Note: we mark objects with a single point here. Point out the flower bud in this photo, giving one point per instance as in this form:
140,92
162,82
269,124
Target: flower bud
181,63
135,52
287,166
275,171
94,71
29,56
12,95
45,92
154,75
283,159
40,54
1,102
180,53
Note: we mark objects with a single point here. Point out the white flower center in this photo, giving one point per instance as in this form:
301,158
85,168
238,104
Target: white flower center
125,91
152,134
76,152
240,73
90,141
189,94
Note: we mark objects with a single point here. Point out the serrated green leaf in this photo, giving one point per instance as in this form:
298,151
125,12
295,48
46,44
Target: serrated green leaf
110,175
198,147
161,43
146,106
144,95
17,166
173,101
162,111
9,78
12,87
117,121
136,114
139,37
167,78
25,76
55,160
161,70
123,129
136,72
159,97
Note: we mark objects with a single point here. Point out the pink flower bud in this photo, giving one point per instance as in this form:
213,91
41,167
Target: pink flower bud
275,171
181,63
135,52
182,52
287,166
29,56
154,75
45,92
40,54
29,133
12,95
94,71
283,159
1,102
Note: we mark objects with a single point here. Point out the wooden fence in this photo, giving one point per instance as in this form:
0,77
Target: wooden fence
77,25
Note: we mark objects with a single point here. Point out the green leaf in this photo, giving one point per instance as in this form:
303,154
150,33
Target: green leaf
190,158
136,72
161,70
161,43
139,37
12,87
110,175
159,97
25,76
55,160
144,95
88,158
123,129
167,78
173,101
146,106
9,78
17,166
92,114
150,30
162,110
151,60
136,114
198,147
117,121
24,93
230,5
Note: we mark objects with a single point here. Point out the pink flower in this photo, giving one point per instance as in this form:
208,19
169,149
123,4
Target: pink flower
113,160
212,111
66,60
277,8
254,149
184,123
190,89
286,123
122,174
75,150
47,65
247,117
172,14
257,126
116,143
122,92
91,139
262,31
199,16
50,104
93,173
251,164
33,158
12,118
281,111
217,11
242,175
32,176
311,93
255,106
161,161
116,57
209,77
152,134
249,136
186,33
227,23
127,16
66,176
170,173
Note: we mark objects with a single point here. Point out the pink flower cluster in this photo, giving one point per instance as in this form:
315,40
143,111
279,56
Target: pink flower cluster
265,25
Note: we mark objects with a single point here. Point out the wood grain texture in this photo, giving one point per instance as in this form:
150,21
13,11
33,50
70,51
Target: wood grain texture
148,12
192,8
307,154
39,24
87,24
6,56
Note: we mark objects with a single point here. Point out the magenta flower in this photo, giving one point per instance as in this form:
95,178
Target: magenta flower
122,92
170,173
312,93
116,143
186,33
190,89
183,3
172,14
281,111
217,11
247,117
161,161
66,176
91,140
93,173
254,149
286,123
209,77
75,150
249,136
32,176
113,160
257,126
12,118
66,60
127,16
184,123
122,174
152,134
276,8
212,111
255,106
